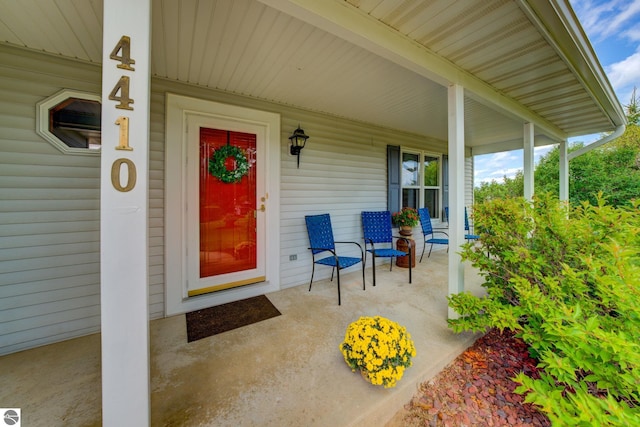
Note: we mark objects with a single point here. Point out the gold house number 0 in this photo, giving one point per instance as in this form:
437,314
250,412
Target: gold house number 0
120,93
131,175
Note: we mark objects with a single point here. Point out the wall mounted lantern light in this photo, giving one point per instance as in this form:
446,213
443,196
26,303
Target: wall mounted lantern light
298,140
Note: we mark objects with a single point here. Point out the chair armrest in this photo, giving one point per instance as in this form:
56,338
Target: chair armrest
355,243
333,252
368,242
322,249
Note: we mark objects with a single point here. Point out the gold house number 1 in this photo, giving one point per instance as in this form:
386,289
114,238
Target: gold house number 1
120,93
123,122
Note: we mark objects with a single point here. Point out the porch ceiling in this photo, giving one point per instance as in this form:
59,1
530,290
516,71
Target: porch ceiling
518,61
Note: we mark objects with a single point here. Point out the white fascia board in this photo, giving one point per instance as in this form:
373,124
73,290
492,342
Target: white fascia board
514,144
345,21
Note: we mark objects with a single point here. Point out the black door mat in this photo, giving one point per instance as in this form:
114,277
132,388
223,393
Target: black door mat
215,320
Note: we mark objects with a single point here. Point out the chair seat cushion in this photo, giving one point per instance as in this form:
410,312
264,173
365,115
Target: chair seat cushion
471,236
438,241
344,261
387,252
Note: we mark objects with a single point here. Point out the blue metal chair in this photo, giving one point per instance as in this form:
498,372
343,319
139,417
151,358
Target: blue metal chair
321,240
468,235
376,227
428,230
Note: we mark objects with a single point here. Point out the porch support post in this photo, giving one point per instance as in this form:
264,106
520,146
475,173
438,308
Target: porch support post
456,190
528,161
564,171
124,213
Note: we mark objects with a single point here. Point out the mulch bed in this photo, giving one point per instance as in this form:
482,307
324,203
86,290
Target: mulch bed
476,388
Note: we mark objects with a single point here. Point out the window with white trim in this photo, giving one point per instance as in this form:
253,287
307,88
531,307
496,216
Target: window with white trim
421,181
70,121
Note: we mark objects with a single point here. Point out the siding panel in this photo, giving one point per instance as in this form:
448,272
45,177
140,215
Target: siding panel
49,210
49,215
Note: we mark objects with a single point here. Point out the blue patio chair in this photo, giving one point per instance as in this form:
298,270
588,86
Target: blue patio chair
468,235
428,230
321,240
376,228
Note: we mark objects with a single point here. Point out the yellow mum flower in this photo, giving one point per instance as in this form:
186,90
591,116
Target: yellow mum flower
380,347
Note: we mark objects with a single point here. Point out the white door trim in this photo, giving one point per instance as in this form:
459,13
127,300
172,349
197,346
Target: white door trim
197,283
177,110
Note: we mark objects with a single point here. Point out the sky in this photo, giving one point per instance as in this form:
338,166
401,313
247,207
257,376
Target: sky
613,28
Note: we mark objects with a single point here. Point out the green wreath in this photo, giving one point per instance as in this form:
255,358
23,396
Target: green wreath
218,169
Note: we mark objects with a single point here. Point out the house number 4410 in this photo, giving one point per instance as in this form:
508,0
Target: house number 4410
120,93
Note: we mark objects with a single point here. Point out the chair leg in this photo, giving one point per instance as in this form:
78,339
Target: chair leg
363,285
430,250
333,270
364,262
313,270
338,284
391,265
423,246
373,256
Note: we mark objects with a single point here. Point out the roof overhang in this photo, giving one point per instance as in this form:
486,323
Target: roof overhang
384,62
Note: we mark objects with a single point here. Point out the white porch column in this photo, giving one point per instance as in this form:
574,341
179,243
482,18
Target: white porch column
528,160
456,189
123,213
564,172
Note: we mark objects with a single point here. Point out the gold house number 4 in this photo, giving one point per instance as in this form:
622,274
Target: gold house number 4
122,53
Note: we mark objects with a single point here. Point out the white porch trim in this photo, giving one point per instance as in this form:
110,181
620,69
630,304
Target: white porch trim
456,190
564,171
529,137
178,108
124,198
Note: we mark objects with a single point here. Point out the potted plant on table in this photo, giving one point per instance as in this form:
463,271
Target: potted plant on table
405,220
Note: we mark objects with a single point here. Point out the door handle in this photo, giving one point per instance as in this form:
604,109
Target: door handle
262,208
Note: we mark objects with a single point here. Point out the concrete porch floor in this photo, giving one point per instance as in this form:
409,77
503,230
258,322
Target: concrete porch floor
285,371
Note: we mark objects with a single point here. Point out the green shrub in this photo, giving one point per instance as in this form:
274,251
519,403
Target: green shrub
567,281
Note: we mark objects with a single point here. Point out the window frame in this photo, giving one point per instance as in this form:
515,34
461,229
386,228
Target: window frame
43,120
421,187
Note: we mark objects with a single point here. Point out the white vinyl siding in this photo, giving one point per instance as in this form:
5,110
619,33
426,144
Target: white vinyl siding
468,181
49,201
343,171
49,211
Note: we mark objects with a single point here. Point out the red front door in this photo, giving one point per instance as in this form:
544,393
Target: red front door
228,241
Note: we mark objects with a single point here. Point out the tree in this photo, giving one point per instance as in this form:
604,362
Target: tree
508,188
633,115
612,170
